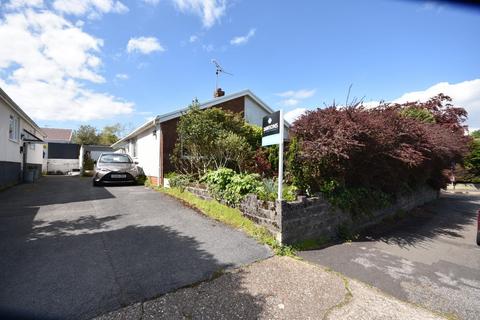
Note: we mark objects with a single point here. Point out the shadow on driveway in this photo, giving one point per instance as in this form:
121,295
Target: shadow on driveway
73,260
449,217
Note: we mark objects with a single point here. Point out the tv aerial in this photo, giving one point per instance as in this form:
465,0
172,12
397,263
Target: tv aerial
219,69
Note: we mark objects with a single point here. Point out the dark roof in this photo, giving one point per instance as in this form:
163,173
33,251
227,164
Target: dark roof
57,134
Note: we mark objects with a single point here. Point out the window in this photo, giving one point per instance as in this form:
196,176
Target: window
134,148
32,145
13,129
115,158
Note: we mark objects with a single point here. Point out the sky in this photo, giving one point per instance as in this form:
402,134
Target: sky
74,62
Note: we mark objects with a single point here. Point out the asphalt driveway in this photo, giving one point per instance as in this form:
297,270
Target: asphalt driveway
69,250
431,260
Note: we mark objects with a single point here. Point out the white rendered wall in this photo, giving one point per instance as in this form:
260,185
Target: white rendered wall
10,150
254,113
148,153
62,165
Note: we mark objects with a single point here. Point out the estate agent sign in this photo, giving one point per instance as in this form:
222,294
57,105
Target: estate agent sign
271,129
272,133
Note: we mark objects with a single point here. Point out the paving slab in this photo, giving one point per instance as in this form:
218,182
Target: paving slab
430,258
276,288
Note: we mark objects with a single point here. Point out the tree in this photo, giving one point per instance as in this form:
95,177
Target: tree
381,148
86,134
475,134
472,160
110,134
213,138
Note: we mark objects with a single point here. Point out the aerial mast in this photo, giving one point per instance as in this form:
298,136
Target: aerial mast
218,70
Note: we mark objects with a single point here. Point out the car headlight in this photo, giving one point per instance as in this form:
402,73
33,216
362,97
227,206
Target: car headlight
103,169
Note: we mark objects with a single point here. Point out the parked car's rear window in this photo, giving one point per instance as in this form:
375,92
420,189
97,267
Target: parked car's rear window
115,158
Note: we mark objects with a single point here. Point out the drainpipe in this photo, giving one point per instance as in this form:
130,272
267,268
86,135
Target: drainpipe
158,128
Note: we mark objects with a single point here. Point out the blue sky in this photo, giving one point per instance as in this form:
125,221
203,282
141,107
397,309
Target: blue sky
98,62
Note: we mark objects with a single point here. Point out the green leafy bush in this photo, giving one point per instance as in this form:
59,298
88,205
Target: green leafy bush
180,181
141,179
209,139
268,191
225,184
356,201
240,186
88,164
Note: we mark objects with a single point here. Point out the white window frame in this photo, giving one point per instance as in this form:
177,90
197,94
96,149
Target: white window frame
16,128
134,148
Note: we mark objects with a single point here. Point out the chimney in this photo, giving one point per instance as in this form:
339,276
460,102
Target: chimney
219,93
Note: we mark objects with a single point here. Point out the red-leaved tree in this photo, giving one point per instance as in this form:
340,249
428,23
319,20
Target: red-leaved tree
384,148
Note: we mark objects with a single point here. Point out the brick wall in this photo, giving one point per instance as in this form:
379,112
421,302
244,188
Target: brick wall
153,180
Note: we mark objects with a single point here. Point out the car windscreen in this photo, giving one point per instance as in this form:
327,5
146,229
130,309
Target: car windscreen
115,158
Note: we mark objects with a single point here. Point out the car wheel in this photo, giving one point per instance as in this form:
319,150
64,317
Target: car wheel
96,183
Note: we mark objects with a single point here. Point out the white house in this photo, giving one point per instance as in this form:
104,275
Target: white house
21,149
152,144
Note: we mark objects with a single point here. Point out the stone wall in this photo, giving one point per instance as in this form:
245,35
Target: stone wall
199,192
315,218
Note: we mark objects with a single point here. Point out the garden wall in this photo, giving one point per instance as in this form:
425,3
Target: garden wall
315,218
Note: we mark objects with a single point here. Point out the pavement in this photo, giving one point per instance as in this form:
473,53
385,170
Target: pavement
70,250
430,259
275,288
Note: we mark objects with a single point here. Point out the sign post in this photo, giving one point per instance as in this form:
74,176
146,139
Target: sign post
280,158
272,133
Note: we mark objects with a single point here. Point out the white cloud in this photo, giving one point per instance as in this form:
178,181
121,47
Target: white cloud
298,94
92,8
465,94
243,39
14,4
293,115
193,38
144,45
45,68
152,2
208,47
210,11
294,97
121,76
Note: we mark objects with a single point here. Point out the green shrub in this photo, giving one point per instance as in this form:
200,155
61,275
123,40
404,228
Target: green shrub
289,193
180,181
141,179
88,164
268,191
240,186
356,201
225,184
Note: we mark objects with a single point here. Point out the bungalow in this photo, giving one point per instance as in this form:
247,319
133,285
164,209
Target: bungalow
152,144
21,151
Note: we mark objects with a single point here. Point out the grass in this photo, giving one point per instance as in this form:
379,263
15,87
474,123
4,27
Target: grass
230,216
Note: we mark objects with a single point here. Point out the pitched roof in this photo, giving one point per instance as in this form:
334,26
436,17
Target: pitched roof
57,134
205,105
9,101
